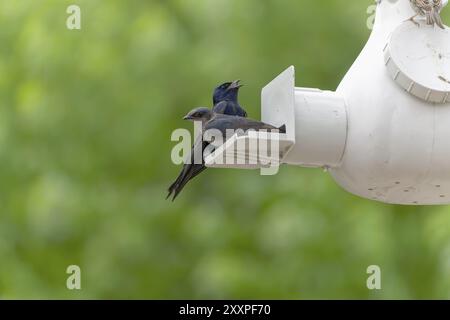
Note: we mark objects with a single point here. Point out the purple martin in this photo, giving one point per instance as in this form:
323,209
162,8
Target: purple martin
212,120
225,99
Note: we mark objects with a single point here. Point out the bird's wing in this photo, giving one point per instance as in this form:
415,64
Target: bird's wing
223,122
229,108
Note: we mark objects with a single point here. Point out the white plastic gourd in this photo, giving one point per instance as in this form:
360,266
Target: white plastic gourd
385,133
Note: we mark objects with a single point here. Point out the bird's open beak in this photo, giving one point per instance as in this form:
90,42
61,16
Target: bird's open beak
235,85
187,117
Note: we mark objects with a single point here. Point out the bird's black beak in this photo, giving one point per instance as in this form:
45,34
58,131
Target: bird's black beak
236,84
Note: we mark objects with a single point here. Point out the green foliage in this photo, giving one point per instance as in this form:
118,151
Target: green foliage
85,124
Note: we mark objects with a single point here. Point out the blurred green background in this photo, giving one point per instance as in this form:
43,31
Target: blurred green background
85,124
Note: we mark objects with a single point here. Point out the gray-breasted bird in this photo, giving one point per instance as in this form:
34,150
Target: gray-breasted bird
225,99
431,9
212,120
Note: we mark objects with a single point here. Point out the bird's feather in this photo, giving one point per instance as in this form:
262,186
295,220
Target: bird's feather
225,122
436,17
231,108
190,169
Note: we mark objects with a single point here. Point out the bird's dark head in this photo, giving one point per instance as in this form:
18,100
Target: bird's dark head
227,91
199,114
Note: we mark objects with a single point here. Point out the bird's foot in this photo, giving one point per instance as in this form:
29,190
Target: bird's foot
414,21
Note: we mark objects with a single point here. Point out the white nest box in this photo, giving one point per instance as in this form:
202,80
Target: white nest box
384,134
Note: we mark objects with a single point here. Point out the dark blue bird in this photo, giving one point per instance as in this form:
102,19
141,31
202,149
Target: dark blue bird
225,99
